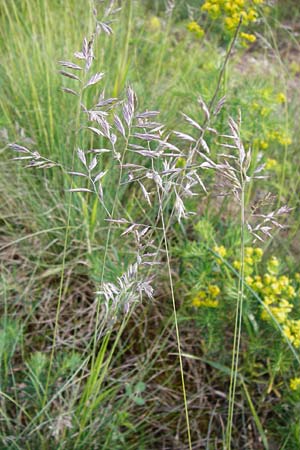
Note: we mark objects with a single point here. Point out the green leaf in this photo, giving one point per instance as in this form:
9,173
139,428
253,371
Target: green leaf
139,401
139,387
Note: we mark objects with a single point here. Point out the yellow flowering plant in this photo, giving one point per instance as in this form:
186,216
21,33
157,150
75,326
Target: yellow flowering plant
270,304
207,298
278,292
229,13
295,384
268,104
264,130
195,29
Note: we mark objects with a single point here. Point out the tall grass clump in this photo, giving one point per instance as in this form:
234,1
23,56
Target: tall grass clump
120,296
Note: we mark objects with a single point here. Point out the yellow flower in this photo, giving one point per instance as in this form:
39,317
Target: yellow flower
273,264
213,290
249,260
210,303
215,11
249,280
297,276
271,164
229,7
248,37
281,98
267,278
290,291
258,285
244,16
237,264
196,302
257,254
284,140
266,93
231,23
195,28
154,24
264,111
287,332
284,281
230,12
249,251
273,135
265,315
252,16
263,145
205,302
280,314
221,250
285,306
296,331
206,6
291,329
295,384
268,300
198,299
267,290
276,288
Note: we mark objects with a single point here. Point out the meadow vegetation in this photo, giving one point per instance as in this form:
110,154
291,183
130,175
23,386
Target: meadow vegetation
150,278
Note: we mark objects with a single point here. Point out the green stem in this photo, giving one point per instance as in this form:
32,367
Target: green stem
237,328
176,325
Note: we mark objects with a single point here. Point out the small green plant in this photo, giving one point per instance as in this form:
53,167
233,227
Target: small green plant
135,392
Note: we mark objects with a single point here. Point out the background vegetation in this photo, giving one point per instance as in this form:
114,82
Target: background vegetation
64,383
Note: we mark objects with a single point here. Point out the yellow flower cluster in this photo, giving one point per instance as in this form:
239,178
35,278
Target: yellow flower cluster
275,136
282,138
277,293
261,109
271,164
230,11
221,250
248,37
281,98
195,28
253,256
291,329
270,96
266,103
208,297
295,384
273,265
263,145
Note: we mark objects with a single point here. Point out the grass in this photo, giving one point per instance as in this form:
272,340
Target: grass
156,369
